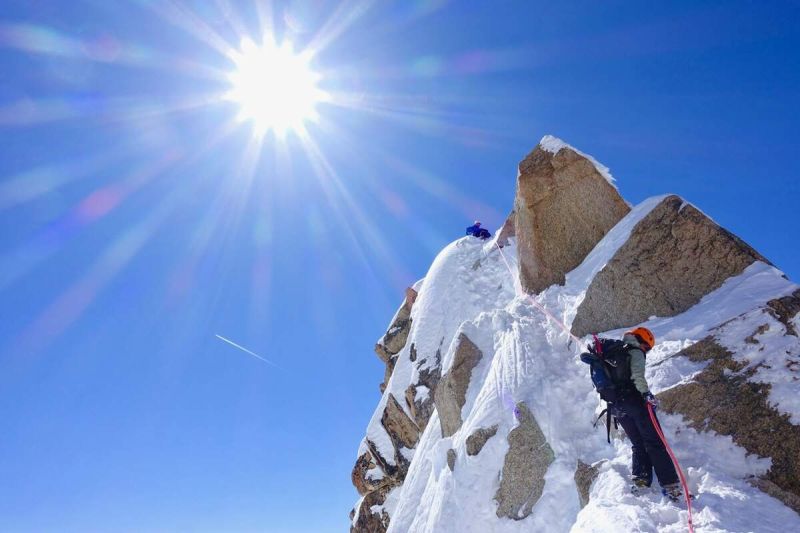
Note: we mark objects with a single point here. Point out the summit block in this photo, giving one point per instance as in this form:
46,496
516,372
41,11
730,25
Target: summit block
564,205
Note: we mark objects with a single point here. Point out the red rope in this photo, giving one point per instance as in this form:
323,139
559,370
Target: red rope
519,291
675,462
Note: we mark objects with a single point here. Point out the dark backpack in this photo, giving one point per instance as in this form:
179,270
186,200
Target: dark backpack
610,369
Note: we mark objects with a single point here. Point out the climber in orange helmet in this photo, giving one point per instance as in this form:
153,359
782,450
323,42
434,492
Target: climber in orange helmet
648,452
623,386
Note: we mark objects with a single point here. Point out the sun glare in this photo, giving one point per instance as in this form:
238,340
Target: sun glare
276,89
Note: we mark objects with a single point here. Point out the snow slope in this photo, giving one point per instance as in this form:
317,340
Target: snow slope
529,358
464,280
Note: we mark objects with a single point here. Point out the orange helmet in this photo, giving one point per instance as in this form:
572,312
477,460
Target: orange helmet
645,336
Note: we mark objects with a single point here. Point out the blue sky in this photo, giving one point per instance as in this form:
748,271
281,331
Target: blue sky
138,220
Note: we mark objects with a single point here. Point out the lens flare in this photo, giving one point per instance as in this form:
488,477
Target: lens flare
275,88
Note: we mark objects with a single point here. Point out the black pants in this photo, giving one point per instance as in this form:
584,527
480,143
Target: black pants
648,451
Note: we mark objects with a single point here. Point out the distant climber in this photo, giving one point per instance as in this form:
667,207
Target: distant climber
477,231
617,370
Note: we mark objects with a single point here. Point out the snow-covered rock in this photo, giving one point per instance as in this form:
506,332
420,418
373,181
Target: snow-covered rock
564,205
396,335
464,280
452,389
478,439
513,449
507,230
367,476
554,145
673,257
524,467
748,390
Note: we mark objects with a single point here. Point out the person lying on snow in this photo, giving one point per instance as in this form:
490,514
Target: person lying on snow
618,374
477,231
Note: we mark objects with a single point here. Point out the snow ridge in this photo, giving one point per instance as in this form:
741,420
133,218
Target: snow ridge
528,359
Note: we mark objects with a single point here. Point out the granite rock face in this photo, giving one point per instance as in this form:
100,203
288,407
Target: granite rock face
507,231
784,309
526,462
420,404
367,475
419,395
726,398
584,477
367,520
675,255
396,336
401,429
374,475
451,459
563,207
478,439
451,392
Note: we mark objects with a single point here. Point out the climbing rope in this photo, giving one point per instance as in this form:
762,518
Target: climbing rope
686,494
543,309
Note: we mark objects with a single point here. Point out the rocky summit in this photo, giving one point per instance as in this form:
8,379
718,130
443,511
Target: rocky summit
565,204
485,419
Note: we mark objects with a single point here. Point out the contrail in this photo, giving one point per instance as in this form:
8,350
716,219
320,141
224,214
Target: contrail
220,337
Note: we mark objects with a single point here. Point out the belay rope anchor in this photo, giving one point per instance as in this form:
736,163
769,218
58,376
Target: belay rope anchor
518,290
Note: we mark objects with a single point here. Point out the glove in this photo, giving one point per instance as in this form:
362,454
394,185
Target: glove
652,400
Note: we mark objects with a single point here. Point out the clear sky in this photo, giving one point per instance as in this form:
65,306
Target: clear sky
139,219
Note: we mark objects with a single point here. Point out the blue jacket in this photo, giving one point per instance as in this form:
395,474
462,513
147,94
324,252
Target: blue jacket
477,231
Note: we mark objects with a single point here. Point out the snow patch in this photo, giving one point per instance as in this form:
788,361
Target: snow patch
375,474
553,144
422,393
761,341
408,453
378,436
362,448
388,504
751,289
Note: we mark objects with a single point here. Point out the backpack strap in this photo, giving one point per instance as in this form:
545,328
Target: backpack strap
606,412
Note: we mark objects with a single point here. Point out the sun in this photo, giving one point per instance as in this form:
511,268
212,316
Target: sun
275,88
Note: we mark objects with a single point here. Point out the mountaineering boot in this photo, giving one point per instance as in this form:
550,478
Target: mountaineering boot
639,486
672,491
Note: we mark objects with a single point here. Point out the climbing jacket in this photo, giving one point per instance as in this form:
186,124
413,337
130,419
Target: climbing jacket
477,231
637,363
